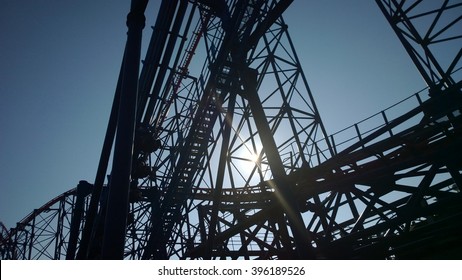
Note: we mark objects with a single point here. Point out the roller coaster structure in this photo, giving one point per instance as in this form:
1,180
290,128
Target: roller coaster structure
229,159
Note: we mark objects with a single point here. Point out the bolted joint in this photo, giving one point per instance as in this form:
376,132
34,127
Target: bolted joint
136,20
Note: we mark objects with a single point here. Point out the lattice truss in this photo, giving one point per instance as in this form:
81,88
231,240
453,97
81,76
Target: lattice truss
431,33
210,114
386,187
44,233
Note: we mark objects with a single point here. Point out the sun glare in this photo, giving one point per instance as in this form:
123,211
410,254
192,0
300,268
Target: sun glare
254,157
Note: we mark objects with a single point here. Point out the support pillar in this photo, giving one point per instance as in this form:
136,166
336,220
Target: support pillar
282,190
119,185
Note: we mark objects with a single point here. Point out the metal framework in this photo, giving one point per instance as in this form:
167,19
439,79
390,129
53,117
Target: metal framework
231,159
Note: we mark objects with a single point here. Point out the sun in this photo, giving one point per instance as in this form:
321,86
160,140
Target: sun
254,158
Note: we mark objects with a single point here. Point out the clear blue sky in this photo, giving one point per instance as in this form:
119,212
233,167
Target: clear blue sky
59,63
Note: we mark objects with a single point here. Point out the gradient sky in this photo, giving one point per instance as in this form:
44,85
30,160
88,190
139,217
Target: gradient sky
59,64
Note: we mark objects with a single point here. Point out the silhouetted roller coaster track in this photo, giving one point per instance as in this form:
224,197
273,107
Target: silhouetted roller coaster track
231,159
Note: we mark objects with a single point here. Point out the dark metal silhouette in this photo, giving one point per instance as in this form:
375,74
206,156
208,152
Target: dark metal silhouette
231,160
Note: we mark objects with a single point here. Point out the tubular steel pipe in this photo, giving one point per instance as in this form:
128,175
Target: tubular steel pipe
153,56
89,226
285,196
83,190
119,185
169,48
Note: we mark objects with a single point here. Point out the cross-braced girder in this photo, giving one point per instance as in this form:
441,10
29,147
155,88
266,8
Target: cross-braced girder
431,33
231,159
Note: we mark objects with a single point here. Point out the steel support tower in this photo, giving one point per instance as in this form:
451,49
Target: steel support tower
220,151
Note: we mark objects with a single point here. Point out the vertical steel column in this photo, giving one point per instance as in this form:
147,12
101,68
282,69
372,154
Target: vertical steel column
117,208
220,176
283,193
83,190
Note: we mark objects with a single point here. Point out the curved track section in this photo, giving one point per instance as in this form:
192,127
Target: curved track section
362,203
44,233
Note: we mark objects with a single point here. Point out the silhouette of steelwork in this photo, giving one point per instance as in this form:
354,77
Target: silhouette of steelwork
430,33
231,159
